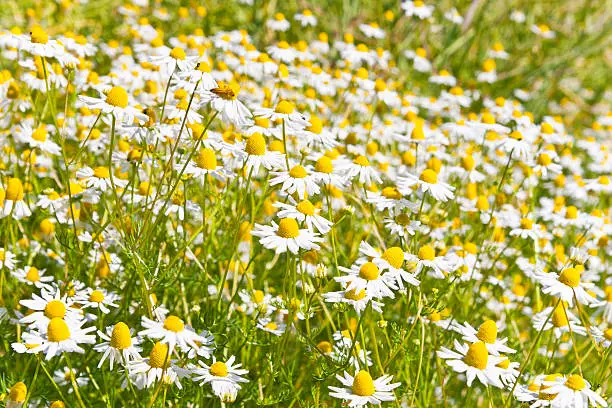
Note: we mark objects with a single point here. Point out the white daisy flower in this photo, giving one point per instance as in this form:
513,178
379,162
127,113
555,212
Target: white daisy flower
573,391
286,236
173,59
116,102
560,321
306,18
270,326
49,305
146,372
417,8
171,331
14,204
297,180
487,333
99,178
474,360
98,299
567,285
224,99
304,212
31,275
362,390
224,377
7,260
285,111
119,345
357,298
258,156
60,336
426,182
368,276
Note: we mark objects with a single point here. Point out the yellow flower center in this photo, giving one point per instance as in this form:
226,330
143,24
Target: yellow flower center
402,219
38,35
284,107
559,319
55,309
503,364
306,208
575,382
271,326
324,165
225,91
391,192
516,135
526,223
117,96
40,134
298,172
395,257
363,385
18,392
429,176
467,162
207,159
361,161
435,316
571,212
477,356
96,296
101,172
427,253
544,159
14,190
256,145
218,369
174,324
488,66
120,337
547,128
608,333
418,133
570,277
57,330
369,271
57,404
487,332
258,296
144,188
159,356
33,275
482,203
288,228
178,53
354,295
13,91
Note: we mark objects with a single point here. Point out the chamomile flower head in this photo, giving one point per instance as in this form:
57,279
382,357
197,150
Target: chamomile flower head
361,389
172,331
572,391
427,182
115,101
60,336
486,333
33,276
286,236
225,377
475,361
119,345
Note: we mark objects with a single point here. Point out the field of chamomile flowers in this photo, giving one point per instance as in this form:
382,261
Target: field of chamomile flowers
304,204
